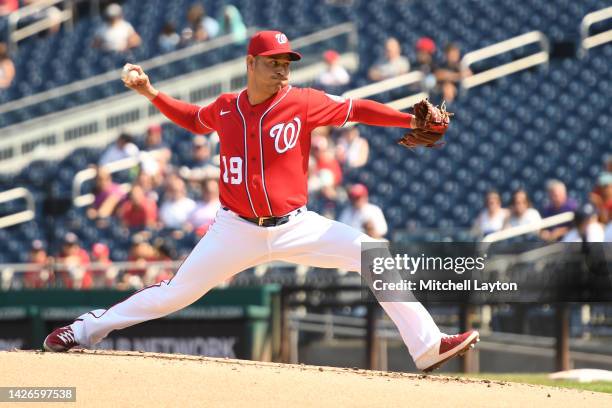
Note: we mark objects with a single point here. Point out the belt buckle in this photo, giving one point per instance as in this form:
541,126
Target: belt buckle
260,221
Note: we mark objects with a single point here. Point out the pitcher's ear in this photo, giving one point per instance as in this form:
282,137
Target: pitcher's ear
250,62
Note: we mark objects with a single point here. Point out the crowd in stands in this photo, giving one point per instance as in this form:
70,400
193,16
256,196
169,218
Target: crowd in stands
185,198
592,219
117,35
76,267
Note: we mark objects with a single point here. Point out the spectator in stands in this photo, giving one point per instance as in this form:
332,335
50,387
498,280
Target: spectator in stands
394,63
369,227
146,182
601,196
123,148
141,253
138,211
521,211
329,195
201,165
232,23
154,138
104,273
425,48
76,262
116,35
362,212
165,251
7,68
169,39
8,6
324,157
558,203
200,26
107,195
586,227
334,74
203,215
492,218
157,165
176,206
451,73
352,150
40,275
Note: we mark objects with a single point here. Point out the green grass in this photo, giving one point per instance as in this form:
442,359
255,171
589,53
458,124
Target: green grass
542,379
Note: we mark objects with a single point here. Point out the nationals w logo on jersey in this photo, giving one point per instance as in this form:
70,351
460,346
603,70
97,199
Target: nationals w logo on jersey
286,134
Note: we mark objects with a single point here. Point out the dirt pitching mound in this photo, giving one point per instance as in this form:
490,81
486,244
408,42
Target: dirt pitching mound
106,378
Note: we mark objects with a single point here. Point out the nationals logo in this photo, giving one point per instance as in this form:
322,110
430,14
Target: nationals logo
281,38
286,134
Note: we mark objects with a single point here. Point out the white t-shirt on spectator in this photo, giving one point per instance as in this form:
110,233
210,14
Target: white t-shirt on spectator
173,214
354,151
114,153
594,233
369,212
390,69
608,233
115,38
335,76
486,224
530,216
204,213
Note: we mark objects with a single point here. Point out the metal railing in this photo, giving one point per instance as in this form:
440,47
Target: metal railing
97,123
56,274
589,41
414,77
502,47
81,200
21,216
19,34
529,228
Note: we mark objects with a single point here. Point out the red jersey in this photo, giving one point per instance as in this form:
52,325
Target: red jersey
135,216
265,148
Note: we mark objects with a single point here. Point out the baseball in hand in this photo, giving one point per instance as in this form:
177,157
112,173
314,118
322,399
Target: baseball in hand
129,75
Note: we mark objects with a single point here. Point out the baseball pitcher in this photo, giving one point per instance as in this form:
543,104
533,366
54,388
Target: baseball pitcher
264,133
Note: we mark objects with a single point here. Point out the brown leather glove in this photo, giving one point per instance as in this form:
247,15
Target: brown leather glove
431,124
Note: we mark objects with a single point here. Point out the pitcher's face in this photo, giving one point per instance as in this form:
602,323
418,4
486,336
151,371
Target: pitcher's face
270,72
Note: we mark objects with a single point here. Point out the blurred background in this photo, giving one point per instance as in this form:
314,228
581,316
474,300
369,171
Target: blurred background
101,195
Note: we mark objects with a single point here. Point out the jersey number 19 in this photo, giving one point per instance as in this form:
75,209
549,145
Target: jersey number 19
235,170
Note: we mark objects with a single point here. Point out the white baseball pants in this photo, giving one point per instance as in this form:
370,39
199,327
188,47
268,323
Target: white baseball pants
233,245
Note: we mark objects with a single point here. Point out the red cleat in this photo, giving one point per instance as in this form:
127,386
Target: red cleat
60,340
447,348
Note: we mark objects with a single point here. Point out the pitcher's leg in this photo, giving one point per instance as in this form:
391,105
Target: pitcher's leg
213,260
318,241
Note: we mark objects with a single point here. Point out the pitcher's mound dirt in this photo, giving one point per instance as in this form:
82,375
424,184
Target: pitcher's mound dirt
113,379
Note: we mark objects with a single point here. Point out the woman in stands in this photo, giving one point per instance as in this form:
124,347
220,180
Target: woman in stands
521,211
